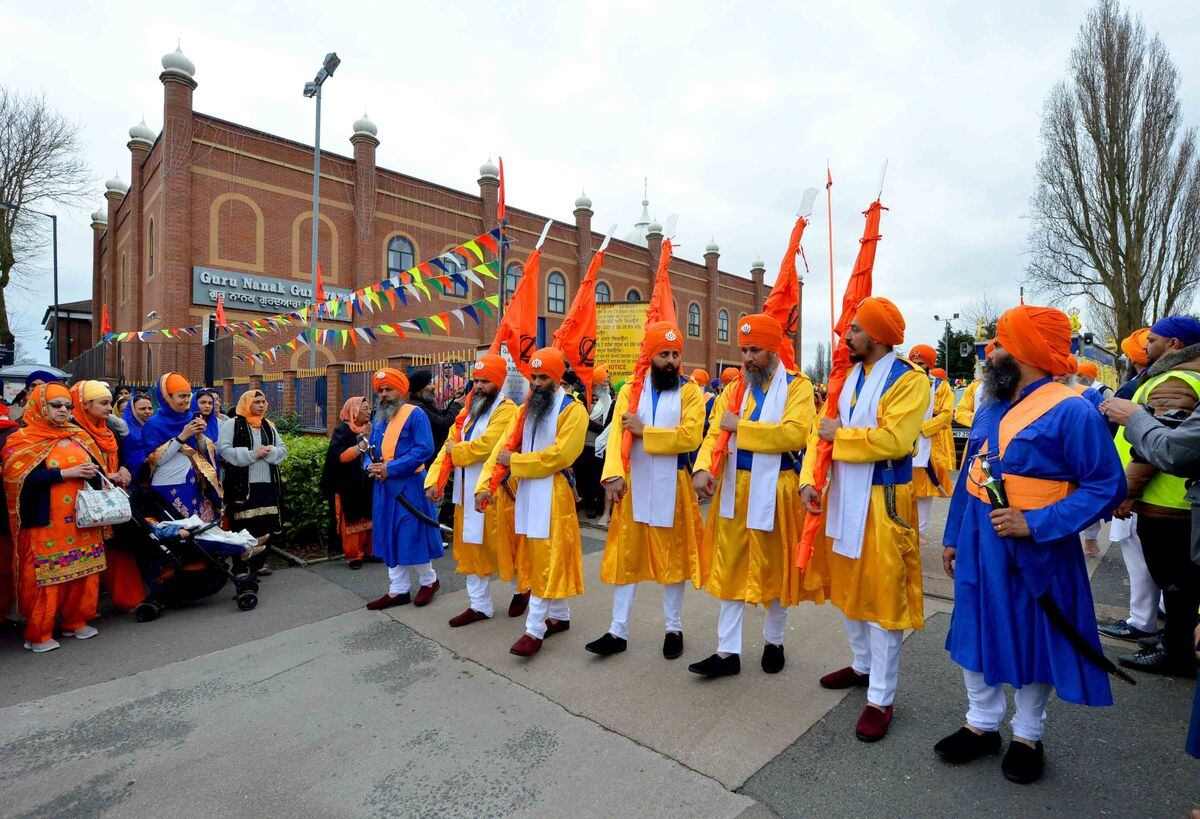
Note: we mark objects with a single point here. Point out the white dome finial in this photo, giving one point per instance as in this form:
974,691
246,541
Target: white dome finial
363,125
488,170
99,218
758,263
583,201
176,63
712,246
115,185
142,133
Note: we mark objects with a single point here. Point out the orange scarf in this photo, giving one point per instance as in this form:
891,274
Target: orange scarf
96,429
244,408
350,412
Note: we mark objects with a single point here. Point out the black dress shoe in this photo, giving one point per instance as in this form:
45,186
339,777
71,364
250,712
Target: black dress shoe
354,565
964,745
1121,630
1023,764
772,658
606,645
717,666
1156,661
673,645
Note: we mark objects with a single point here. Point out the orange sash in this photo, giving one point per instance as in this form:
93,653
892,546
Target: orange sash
391,435
1026,493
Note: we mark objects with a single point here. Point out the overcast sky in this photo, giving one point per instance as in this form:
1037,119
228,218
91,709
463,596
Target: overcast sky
731,113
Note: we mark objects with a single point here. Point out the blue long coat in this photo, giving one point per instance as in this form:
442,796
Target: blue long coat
396,535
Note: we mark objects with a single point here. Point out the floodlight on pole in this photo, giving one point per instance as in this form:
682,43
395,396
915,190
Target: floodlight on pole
312,89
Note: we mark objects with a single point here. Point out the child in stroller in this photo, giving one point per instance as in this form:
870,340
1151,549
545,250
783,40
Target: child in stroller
187,560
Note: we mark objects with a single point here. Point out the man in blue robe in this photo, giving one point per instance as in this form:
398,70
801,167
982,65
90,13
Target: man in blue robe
404,531
1061,472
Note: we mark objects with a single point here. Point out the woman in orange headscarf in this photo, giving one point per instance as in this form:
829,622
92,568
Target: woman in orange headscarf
347,486
252,450
58,564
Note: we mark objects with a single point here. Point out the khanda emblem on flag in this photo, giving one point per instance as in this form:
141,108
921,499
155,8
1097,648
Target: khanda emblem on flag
793,322
528,345
587,351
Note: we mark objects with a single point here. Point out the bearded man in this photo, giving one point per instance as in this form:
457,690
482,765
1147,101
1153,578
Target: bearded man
549,551
403,521
1021,593
483,541
657,525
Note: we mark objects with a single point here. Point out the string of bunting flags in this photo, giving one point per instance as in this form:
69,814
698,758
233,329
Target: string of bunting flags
368,335
417,281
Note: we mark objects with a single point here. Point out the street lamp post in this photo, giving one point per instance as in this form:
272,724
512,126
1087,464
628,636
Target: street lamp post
54,242
313,89
946,350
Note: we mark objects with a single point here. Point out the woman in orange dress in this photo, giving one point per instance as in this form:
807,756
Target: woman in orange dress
346,484
58,564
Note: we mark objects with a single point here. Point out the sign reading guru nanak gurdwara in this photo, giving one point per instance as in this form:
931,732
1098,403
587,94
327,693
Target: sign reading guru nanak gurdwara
262,294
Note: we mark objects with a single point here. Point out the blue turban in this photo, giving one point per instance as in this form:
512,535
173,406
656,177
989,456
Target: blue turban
1184,328
42,375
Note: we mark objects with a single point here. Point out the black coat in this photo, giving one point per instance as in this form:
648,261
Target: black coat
347,480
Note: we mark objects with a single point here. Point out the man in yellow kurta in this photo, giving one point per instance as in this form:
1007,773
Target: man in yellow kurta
868,537
755,519
656,528
935,447
552,427
483,541
964,413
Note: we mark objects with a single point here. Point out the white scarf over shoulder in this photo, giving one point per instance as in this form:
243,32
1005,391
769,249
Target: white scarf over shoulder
468,476
531,511
764,466
653,477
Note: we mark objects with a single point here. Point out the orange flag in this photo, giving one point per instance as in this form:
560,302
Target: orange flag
662,308
221,322
857,289
105,324
518,328
500,201
576,336
320,285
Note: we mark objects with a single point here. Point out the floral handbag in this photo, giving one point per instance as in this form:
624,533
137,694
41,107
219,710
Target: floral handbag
106,506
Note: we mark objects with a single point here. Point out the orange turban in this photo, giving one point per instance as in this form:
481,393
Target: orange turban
1134,347
701,377
599,373
56,389
391,377
760,330
922,353
175,382
491,368
549,361
881,320
938,372
1073,363
1088,369
1039,337
660,336
729,373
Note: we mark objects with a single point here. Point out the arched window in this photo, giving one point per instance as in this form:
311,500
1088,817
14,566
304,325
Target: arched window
723,325
124,278
632,294
512,275
694,320
150,249
400,255
455,264
556,293
603,293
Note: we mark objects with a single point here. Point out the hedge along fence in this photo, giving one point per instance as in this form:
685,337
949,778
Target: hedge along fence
307,515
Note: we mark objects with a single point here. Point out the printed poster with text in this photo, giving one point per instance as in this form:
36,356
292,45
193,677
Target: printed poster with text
619,329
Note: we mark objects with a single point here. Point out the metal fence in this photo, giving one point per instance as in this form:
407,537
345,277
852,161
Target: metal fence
356,378
273,390
451,371
312,398
115,363
239,389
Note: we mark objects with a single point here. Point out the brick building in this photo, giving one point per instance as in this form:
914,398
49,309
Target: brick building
75,335
207,193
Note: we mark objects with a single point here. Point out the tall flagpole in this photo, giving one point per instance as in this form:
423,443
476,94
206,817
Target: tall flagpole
829,218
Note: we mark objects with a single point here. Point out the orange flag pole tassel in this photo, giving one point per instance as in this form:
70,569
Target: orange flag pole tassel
857,289
662,308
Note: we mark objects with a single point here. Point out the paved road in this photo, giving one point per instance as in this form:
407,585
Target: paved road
311,705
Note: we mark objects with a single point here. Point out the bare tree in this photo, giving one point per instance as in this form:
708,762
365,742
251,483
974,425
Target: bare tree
980,316
822,365
1117,210
41,164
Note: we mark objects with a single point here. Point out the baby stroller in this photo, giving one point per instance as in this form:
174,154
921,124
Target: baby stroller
176,563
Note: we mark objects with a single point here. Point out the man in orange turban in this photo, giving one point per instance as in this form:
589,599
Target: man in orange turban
865,555
1134,348
935,447
483,541
547,436
701,377
656,526
404,533
755,519
1020,582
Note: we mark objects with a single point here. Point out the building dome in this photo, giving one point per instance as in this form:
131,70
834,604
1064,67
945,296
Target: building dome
654,227
142,132
488,170
758,264
115,185
99,218
583,201
363,125
177,63
712,247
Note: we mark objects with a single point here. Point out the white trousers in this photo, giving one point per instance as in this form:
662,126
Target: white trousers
540,609
1093,531
924,506
399,582
623,604
729,625
987,706
877,653
479,592
1144,595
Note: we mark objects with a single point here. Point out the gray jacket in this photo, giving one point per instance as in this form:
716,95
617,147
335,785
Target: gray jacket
1174,451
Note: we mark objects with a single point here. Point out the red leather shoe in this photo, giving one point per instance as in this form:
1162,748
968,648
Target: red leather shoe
845,678
519,603
426,593
467,618
873,724
555,626
389,600
527,646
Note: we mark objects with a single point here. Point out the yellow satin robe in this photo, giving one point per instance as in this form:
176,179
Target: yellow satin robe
941,449
496,554
636,551
884,584
747,564
551,567
964,413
